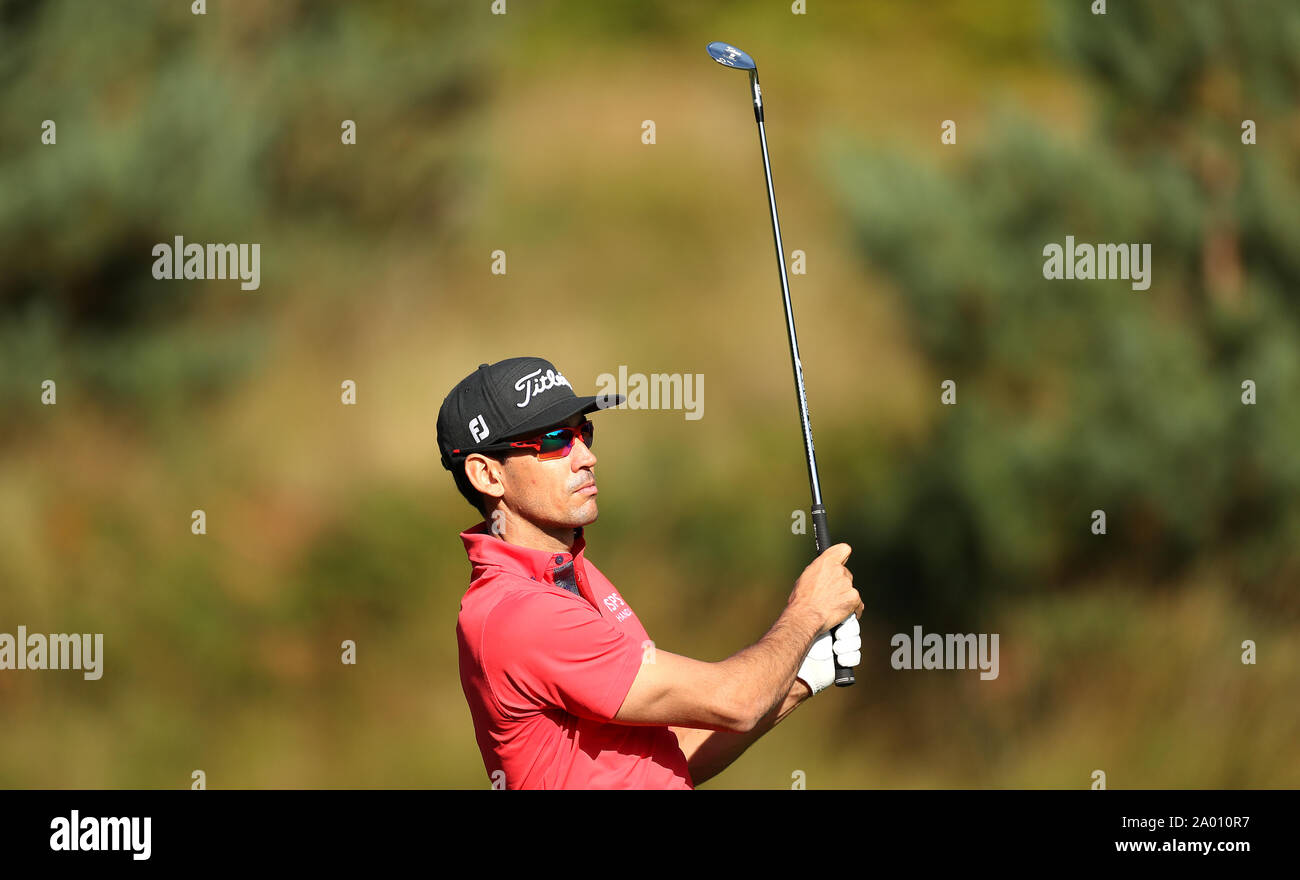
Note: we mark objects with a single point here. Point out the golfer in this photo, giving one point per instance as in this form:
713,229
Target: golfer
564,686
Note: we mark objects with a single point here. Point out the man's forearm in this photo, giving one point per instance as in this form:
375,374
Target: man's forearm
709,752
761,676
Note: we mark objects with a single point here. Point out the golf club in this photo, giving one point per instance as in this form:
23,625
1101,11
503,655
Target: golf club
729,56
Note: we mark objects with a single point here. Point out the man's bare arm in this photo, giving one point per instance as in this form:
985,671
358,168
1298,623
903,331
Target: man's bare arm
738,693
709,752
734,694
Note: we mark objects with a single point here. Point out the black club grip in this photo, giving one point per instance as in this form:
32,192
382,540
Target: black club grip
821,534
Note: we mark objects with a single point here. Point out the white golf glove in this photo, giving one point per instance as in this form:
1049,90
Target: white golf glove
818,669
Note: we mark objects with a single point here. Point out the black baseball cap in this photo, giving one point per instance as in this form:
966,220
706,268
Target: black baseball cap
511,399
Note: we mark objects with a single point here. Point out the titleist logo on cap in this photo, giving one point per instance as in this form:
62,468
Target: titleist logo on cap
541,382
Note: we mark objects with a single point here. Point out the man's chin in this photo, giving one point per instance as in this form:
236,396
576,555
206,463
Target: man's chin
578,515
584,514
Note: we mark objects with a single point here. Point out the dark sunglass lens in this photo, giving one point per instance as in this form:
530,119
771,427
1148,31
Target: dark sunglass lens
554,441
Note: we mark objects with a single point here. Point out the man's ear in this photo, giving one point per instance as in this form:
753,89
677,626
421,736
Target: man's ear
485,475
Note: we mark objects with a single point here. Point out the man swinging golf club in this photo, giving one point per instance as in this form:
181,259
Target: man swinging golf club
564,686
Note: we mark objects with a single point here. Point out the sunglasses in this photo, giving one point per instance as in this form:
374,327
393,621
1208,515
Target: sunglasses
551,445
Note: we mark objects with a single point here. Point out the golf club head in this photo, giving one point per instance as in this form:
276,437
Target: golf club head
729,56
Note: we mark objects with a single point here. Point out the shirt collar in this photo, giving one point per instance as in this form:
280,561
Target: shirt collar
485,548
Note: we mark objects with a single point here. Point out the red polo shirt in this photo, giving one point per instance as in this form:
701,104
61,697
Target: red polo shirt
545,670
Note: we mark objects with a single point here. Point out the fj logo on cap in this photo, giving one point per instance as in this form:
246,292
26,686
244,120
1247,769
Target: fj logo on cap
478,428
540,382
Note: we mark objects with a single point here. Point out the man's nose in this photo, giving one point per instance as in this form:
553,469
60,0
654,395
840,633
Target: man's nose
582,455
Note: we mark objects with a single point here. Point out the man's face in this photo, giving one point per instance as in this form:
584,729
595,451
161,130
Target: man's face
554,495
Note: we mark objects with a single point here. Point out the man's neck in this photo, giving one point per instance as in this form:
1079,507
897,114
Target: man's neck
548,539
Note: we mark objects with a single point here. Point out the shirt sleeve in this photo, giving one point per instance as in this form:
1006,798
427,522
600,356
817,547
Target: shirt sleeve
553,650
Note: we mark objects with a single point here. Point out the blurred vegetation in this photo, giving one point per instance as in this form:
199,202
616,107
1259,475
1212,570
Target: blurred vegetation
1079,395
522,132
218,128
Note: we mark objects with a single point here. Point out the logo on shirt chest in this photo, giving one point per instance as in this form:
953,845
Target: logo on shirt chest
614,602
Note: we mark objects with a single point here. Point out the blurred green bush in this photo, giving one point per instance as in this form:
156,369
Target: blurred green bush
219,128
1073,395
